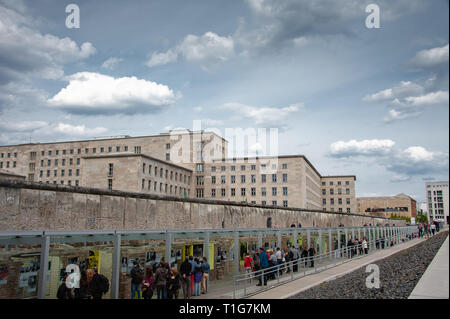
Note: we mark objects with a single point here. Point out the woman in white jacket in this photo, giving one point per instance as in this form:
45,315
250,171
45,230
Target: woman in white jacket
364,246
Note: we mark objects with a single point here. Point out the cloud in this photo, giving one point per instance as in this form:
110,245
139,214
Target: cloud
432,98
22,131
26,52
94,93
404,89
432,57
400,178
207,50
162,58
416,160
111,63
270,116
374,147
396,115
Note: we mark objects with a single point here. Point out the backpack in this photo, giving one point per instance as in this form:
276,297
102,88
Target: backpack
139,275
102,283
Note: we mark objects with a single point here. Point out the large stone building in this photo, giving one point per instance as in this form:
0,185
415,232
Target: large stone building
182,164
437,199
386,206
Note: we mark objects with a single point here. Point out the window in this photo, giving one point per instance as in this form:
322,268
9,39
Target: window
340,210
331,191
222,179
63,162
323,183
110,184
348,201
161,172
168,146
32,155
200,180
274,166
213,192
213,179
242,191
94,150
242,179
253,190
167,156
71,161
31,166
263,191
222,192
324,201
76,183
62,172
348,210
332,201
78,161
57,152
199,192
324,191
284,178
102,149
48,173
111,169
331,183
284,166
143,183
200,168
125,148
42,163
213,168
233,168
14,164
274,178
233,192
77,172
274,191
347,183
339,183
41,173
347,191
110,149
31,177
264,203
285,191
253,178
253,167
85,151
339,191
340,201
223,168
263,178
274,203
167,173
233,179
137,149
55,173
285,203
70,172
242,167
118,149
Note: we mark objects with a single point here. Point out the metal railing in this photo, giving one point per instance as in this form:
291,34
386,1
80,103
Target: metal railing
242,283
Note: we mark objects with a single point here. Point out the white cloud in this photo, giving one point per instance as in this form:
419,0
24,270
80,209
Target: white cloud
431,57
97,93
111,63
27,52
262,115
395,115
162,58
404,89
207,49
374,147
23,126
418,154
432,98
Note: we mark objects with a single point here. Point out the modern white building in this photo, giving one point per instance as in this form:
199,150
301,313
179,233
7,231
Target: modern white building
437,200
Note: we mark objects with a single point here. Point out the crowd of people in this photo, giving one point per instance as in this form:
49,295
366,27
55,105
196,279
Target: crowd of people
428,229
92,285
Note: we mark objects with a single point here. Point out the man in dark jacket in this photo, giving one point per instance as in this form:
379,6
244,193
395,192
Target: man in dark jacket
136,280
185,272
311,253
97,285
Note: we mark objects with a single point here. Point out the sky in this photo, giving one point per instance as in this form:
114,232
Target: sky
370,102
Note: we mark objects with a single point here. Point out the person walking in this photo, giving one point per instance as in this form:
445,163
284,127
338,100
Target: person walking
173,284
206,268
248,266
433,228
185,271
279,257
305,256
161,281
295,256
287,260
137,277
264,264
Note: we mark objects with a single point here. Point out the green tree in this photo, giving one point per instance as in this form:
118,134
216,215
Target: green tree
407,219
421,217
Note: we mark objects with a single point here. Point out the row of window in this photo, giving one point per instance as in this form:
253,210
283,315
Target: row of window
347,201
339,210
63,172
338,183
148,168
168,189
243,167
8,155
201,180
252,191
109,149
339,191
56,162
14,164
69,182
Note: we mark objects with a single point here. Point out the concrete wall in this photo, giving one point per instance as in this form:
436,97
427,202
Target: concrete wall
35,206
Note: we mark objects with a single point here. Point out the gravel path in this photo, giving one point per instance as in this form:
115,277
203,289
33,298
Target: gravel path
399,274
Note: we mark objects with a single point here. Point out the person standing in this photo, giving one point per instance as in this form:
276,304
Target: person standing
161,281
98,285
137,277
311,253
264,264
192,262
206,268
173,284
295,258
279,256
365,246
305,256
65,292
197,279
148,284
433,228
185,271
248,266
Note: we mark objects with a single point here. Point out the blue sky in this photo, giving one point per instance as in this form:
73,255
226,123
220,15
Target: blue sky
366,102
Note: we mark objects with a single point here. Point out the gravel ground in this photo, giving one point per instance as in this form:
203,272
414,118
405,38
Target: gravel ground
399,274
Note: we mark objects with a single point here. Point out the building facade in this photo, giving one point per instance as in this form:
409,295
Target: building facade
182,164
386,206
437,200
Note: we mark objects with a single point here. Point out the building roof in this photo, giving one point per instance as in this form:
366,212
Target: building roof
9,173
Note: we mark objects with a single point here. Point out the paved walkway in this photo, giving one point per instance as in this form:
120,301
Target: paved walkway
304,283
434,283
